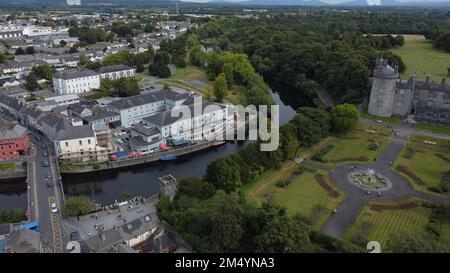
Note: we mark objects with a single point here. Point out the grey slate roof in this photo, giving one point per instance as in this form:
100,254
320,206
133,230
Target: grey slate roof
138,100
112,68
10,102
146,131
100,116
73,74
433,86
12,132
75,132
54,121
165,118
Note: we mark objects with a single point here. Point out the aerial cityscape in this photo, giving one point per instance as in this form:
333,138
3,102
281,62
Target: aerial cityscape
160,126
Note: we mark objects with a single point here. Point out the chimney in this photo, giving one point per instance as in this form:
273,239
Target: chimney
444,81
427,78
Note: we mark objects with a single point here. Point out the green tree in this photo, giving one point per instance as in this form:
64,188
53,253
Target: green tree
31,82
224,174
408,242
126,195
220,87
44,71
208,93
78,205
226,225
195,187
344,118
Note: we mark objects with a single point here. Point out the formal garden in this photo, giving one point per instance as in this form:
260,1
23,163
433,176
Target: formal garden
425,161
382,221
360,146
305,192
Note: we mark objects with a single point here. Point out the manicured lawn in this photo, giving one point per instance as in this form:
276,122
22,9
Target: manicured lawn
426,161
303,196
435,128
354,145
7,166
421,58
391,120
379,225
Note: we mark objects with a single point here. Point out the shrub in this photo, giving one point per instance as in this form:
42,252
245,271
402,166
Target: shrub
445,181
283,183
374,146
319,155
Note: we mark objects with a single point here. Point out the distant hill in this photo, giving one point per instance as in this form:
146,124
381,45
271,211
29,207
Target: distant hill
351,3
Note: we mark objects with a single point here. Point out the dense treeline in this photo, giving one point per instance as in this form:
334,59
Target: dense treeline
212,218
303,53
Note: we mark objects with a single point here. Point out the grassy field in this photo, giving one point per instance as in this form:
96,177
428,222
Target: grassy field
435,128
7,166
421,58
379,225
353,145
426,161
303,196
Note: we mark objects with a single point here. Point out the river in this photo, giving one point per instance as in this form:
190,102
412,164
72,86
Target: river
106,187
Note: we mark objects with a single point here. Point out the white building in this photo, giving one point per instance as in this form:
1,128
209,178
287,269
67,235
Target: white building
64,99
75,81
134,109
76,142
114,72
210,119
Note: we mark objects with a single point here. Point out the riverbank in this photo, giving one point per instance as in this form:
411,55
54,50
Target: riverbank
12,170
134,161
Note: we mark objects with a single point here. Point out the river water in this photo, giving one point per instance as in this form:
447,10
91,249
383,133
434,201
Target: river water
106,187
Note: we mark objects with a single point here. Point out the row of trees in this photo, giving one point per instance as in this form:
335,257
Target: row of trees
89,36
212,218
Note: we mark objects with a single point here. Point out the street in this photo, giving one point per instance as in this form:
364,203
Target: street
40,194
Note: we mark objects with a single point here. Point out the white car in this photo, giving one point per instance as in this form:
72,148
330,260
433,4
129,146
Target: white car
54,208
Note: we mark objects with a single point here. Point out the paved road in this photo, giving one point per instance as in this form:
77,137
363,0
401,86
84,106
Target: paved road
356,198
40,194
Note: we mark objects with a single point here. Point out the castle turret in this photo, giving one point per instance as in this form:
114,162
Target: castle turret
383,89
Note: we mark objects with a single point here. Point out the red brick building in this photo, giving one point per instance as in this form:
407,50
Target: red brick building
14,141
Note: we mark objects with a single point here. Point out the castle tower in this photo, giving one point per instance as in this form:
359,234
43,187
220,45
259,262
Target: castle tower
383,89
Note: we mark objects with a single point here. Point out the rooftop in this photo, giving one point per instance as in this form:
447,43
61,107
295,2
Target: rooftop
74,74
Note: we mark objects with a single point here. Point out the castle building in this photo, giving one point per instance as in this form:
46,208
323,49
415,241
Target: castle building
425,101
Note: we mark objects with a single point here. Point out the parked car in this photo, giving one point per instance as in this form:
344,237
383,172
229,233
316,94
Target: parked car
48,175
45,153
74,236
38,138
45,163
49,183
54,208
44,146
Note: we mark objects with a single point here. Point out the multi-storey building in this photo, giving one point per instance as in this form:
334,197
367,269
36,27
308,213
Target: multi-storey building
75,81
13,141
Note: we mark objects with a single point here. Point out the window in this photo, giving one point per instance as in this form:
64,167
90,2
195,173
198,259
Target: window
380,103
400,104
429,103
401,92
446,105
89,141
81,142
442,115
428,114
